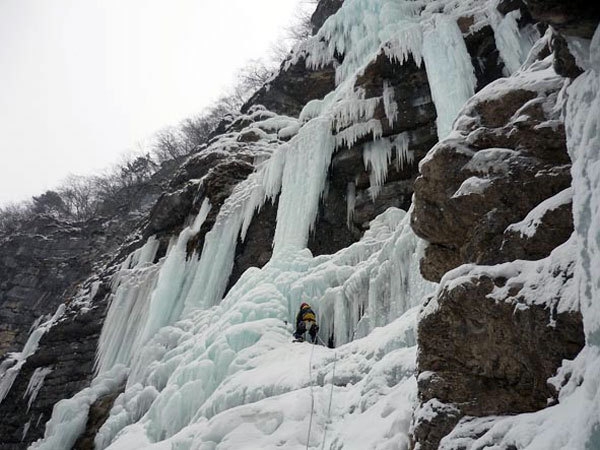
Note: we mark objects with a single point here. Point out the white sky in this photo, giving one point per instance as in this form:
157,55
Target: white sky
82,81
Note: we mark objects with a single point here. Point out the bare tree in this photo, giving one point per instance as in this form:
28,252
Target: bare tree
13,215
169,145
79,196
196,130
255,74
301,27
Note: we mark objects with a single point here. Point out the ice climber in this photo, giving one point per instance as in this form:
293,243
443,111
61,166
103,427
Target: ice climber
306,321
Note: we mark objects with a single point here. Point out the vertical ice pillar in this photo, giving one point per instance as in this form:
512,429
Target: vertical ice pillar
583,142
512,43
167,299
146,297
582,124
307,160
449,69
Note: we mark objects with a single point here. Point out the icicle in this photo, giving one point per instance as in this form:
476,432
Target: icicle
404,156
377,156
307,161
350,203
354,109
165,302
389,105
358,30
25,430
35,384
349,136
405,41
449,70
145,297
582,124
513,44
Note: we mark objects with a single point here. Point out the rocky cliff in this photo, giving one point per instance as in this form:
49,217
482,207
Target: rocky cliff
358,120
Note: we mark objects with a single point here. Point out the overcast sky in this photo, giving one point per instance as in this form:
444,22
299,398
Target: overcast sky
81,81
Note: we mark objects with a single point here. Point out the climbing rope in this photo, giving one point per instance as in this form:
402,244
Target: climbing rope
312,397
330,400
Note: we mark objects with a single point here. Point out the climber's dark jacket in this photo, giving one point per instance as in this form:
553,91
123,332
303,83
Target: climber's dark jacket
306,320
305,314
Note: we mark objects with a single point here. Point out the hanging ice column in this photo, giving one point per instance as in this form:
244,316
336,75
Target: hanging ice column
513,44
146,296
307,160
449,70
582,125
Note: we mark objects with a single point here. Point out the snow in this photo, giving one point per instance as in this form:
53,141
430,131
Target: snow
472,185
269,405
528,226
198,364
194,381
491,161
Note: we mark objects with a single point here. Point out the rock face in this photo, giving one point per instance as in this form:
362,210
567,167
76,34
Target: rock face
485,57
324,9
494,202
292,88
488,345
508,156
36,268
67,351
415,122
45,263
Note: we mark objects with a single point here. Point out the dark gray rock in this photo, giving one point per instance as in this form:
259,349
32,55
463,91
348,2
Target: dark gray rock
324,9
99,412
564,61
68,349
572,18
171,209
411,93
485,57
292,88
257,247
